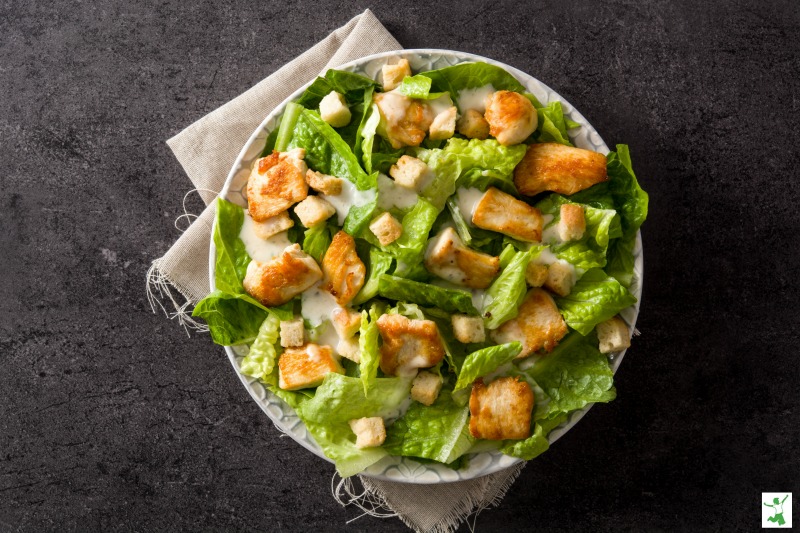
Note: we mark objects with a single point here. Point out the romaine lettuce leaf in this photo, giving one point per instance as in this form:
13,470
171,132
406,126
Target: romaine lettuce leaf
404,290
505,294
338,444
537,443
417,223
368,345
447,168
620,259
472,76
552,125
260,360
232,259
379,263
486,163
231,319
486,361
630,199
351,86
316,241
596,297
418,86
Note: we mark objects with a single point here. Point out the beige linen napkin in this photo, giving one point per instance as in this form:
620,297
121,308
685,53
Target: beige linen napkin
207,150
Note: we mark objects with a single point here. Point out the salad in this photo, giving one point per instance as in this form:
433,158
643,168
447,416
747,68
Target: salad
427,267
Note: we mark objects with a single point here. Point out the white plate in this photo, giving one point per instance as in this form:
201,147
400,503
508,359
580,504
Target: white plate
404,469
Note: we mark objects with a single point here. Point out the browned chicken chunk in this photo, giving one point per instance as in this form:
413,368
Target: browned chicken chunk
343,270
281,279
408,345
501,410
501,212
404,121
511,117
448,258
539,324
558,168
306,366
276,183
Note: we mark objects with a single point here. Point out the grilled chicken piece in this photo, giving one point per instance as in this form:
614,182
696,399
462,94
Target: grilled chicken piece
511,117
306,366
501,410
539,324
343,270
558,168
448,258
273,225
281,279
408,345
498,211
404,121
276,183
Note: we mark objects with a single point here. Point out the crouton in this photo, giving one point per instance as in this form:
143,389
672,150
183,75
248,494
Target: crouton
472,125
276,183
370,432
539,325
350,349
292,332
386,228
511,117
333,110
444,125
448,258
501,410
306,366
269,227
343,270
314,211
468,329
393,75
558,168
346,322
560,278
501,212
536,274
323,183
614,335
408,345
281,279
425,387
404,122
572,223
410,172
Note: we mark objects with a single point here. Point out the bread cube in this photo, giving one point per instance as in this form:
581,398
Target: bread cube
386,228
425,387
292,332
472,125
444,125
306,366
346,322
408,345
272,225
558,168
536,274
333,110
539,325
349,349
323,183
572,223
468,329
410,172
560,278
314,211
393,75
370,432
501,410
614,335
501,212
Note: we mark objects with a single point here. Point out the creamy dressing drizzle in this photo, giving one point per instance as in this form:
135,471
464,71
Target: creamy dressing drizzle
349,197
317,305
550,233
262,250
441,104
474,98
466,200
392,195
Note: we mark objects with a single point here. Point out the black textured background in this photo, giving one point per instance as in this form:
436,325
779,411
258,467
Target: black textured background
112,419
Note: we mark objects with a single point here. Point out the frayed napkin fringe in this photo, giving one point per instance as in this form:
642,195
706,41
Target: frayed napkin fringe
161,290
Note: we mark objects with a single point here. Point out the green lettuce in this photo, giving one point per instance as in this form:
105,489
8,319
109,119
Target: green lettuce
231,260
472,76
316,241
486,163
505,294
537,443
446,166
260,360
596,297
351,86
404,290
418,86
338,444
552,125
486,361
417,223
379,263
620,259
368,346
231,319
630,199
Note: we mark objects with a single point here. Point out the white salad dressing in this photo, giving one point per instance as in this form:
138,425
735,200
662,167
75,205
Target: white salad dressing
441,104
466,200
545,257
262,250
474,98
392,195
317,305
478,297
314,353
550,233
349,197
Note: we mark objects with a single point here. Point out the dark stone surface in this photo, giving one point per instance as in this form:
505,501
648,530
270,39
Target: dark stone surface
112,419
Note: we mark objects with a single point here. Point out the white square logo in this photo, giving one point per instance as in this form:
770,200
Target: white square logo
776,509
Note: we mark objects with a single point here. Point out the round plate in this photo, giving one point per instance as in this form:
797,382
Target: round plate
404,469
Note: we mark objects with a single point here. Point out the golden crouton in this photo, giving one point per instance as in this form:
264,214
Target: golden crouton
349,349
343,270
276,183
614,335
404,121
560,278
346,322
408,345
501,410
333,110
448,258
425,387
501,212
539,325
281,279
444,125
323,183
386,228
313,211
410,172
292,332
306,366
468,329
572,223
273,225
393,75
511,117
472,125
558,168
370,432
536,274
